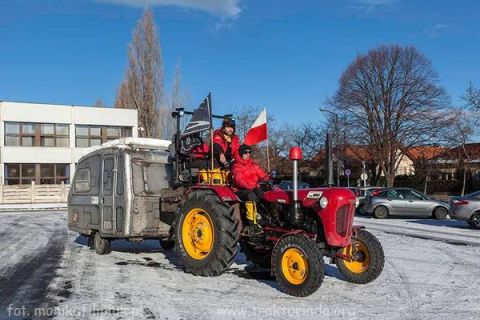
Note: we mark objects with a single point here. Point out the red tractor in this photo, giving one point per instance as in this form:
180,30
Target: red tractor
299,228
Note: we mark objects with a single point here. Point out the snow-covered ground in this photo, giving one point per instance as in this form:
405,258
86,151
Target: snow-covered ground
46,269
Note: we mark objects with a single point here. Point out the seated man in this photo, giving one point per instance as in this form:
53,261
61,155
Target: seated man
246,176
225,143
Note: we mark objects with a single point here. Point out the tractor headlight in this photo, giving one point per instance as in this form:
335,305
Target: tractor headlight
323,202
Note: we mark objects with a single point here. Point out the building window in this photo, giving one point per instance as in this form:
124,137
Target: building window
44,173
89,136
36,134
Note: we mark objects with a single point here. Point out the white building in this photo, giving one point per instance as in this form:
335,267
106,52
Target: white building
43,142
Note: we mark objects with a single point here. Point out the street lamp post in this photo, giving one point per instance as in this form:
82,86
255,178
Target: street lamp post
336,144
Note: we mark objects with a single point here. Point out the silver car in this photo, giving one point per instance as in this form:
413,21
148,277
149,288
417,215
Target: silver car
467,208
362,195
404,201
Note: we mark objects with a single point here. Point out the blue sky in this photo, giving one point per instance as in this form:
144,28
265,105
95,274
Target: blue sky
284,55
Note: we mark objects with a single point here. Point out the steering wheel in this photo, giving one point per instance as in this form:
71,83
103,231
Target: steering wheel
265,185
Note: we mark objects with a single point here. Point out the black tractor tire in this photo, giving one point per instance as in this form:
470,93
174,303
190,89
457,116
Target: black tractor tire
440,213
222,226
298,279
101,245
167,244
475,220
371,253
380,212
260,257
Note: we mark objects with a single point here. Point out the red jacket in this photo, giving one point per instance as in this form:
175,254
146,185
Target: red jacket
219,139
247,173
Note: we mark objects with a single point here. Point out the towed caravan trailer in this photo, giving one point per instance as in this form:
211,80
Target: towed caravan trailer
116,193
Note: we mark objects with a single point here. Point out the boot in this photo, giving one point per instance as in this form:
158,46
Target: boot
251,214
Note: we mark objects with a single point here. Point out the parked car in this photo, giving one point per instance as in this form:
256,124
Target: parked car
362,194
288,185
466,208
405,201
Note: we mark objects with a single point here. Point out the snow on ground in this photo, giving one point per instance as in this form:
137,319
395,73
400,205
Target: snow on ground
48,269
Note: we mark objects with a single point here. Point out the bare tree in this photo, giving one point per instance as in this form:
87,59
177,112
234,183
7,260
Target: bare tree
178,99
391,101
458,136
472,97
142,88
99,103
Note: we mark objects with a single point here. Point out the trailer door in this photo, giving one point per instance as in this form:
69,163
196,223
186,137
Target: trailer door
107,204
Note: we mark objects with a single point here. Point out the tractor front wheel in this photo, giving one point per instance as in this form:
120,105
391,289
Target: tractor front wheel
367,259
205,234
298,266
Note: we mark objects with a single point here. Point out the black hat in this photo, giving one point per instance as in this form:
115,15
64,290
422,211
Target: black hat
228,122
244,149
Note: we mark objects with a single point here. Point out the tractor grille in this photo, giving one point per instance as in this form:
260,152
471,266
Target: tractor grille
343,223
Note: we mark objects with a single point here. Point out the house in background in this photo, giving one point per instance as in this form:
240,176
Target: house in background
42,143
464,157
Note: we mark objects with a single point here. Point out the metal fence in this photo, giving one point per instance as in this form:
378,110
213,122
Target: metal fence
43,193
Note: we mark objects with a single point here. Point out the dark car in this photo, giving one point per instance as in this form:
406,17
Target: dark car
406,202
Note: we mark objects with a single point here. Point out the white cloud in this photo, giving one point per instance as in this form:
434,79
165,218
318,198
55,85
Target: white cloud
218,8
372,5
436,30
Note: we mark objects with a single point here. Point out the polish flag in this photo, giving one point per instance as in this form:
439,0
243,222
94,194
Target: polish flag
258,131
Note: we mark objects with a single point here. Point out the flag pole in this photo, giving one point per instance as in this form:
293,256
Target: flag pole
268,148
209,102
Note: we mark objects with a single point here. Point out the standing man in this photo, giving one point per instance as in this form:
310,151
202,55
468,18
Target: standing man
225,143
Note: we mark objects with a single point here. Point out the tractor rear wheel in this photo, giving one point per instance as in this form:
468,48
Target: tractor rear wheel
368,259
298,265
205,235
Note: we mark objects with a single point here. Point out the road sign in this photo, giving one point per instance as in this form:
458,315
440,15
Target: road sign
363,176
348,172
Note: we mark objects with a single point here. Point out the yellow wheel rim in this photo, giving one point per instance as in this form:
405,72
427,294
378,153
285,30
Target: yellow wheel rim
362,260
197,234
294,266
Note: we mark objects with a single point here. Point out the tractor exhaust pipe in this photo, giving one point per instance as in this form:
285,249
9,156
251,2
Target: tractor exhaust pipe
297,215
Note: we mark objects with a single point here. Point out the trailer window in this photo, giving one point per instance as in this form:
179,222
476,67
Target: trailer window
82,181
148,177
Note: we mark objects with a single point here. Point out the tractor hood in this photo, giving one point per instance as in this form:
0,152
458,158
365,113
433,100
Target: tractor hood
309,197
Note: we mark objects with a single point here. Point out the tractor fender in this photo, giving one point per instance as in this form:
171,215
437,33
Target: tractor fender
224,193
355,230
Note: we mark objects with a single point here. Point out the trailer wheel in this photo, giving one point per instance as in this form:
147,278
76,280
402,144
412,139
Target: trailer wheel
298,265
205,234
167,244
101,245
368,260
